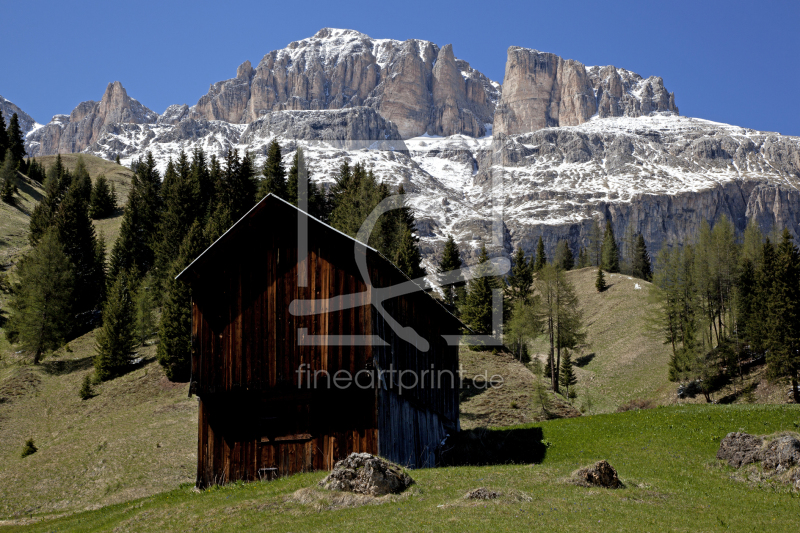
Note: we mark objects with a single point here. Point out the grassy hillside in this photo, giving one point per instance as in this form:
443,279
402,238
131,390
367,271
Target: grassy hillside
665,457
118,175
136,437
619,362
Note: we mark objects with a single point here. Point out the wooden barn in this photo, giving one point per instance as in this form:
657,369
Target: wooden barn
275,342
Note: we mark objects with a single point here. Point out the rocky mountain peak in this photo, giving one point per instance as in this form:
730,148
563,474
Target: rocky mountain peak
541,89
88,121
26,122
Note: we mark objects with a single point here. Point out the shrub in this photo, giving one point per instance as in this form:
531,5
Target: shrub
28,449
86,391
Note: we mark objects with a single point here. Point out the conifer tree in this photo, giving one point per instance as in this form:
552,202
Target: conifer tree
81,180
43,214
86,391
101,203
600,282
77,236
478,305
42,301
116,339
35,171
138,234
175,329
520,279
274,180
753,245
314,199
640,267
16,140
8,179
567,378
408,257
203,185
541,258
180,208
783,315
583,258
451,260
563,257
610,251
3,137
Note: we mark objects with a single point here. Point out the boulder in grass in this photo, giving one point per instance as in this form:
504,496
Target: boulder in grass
600,474
481,493
740,449
364,473
783,452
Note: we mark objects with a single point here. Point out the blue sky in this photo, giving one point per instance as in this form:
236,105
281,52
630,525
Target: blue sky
731,61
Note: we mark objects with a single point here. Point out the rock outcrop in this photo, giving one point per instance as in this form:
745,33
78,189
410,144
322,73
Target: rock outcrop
26,123
88,121
543,90
414,83
600,474
364,473
779,457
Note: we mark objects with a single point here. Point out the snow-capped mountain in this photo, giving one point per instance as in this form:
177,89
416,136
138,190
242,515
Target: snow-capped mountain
569,142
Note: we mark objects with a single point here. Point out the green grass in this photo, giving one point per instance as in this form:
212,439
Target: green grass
624,363
665,457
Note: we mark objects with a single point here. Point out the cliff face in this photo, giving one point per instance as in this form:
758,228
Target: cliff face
26,123
543,90
75,132
414,83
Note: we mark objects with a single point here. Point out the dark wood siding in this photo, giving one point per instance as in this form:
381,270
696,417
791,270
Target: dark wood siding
246,354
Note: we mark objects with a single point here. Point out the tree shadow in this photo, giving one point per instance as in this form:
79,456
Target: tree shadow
56,367
471,387
483,446
584,360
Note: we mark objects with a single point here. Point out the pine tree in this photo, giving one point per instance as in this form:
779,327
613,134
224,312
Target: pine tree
116,339
520,279
43,214
274,180
180,210
203,184
8,179
600,282
86,391
101,203
116,160
451,260
783,315
541,258
567,377
478,305
610,251
35,171
42,301
640,267
76,234
3,137
16,140
313,199
138,234
81,181
408,257
563,257
175,329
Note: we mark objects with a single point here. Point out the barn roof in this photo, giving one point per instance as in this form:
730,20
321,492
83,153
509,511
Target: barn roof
272,201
